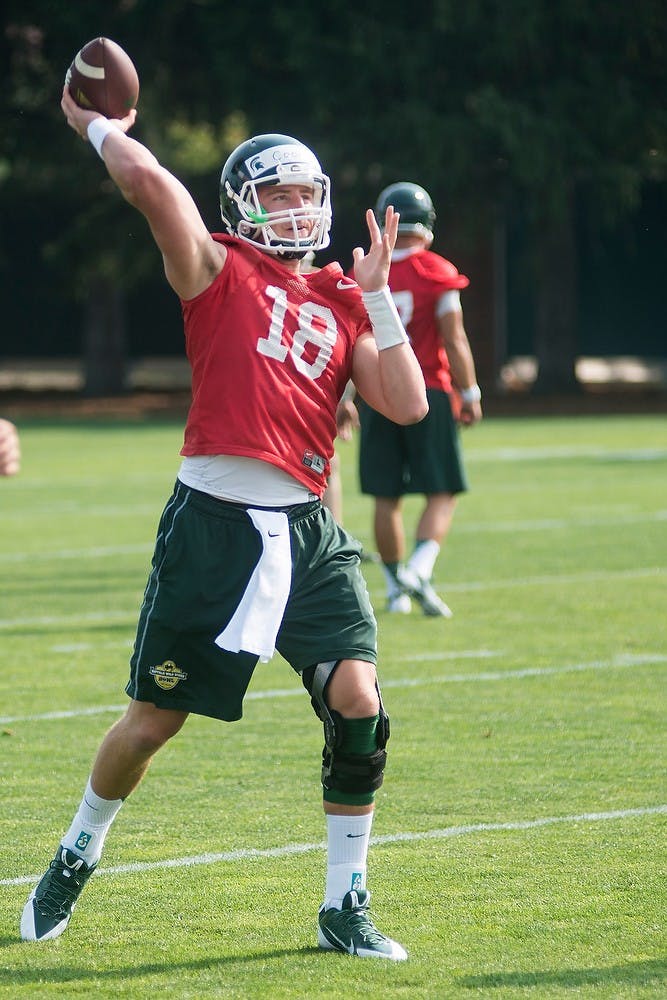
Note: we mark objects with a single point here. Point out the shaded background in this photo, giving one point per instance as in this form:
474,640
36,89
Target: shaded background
538,126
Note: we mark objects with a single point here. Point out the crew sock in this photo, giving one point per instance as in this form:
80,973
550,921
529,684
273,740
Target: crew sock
90,825
422,560
347,850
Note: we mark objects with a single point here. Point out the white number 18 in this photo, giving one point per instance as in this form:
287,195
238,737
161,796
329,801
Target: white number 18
323,336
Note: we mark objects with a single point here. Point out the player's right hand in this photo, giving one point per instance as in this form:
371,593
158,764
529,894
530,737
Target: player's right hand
80,118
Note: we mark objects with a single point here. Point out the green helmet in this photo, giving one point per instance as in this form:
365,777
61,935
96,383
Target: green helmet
274,159
413,204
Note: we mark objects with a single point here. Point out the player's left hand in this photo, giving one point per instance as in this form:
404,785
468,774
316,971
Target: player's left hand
470,413
347,419
371,270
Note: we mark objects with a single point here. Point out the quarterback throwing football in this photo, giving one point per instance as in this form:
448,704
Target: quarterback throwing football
247,560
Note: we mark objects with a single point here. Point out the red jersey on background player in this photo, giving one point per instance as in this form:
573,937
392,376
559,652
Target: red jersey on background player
395,460
419,280
247,560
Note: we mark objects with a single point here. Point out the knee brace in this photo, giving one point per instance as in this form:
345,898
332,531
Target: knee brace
343,771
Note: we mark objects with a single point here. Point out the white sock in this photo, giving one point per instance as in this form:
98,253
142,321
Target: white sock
347,850
90,826
423,558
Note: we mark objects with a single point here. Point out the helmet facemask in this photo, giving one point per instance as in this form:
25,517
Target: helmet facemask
416,229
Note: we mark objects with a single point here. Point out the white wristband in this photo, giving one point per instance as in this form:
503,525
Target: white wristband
472,394
98,130
387,327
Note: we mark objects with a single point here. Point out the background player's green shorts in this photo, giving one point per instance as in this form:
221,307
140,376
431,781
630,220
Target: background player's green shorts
422,458
205,553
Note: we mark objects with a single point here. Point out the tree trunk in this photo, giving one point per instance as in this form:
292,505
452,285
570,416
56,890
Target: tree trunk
105,364
555,342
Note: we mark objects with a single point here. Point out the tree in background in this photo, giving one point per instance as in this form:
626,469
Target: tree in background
551,111
81,232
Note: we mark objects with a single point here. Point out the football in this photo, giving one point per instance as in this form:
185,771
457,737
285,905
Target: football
103,78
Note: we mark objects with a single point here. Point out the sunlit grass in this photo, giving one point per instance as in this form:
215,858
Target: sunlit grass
519,851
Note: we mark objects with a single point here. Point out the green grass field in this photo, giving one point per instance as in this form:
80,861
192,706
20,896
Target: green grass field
519,843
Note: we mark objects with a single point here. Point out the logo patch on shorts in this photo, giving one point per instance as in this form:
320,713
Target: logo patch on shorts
167,675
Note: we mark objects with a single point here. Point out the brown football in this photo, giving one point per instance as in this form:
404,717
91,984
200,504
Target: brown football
103,78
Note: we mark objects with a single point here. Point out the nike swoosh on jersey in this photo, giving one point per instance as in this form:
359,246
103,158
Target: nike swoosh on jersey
344,283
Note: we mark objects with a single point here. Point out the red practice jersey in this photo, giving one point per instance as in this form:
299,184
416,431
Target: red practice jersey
271,353
417,282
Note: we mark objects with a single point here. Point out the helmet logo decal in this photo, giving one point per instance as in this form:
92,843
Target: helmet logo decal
255,166
299,158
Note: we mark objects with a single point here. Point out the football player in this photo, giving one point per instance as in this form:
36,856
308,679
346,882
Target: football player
395,460
247,559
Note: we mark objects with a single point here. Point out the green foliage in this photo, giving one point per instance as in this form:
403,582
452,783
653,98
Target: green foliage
514,111
200,149
474,97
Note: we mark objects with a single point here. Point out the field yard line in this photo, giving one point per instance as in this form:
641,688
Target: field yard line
465,527
539,453
558,523
616,663
389,838
592,576
96,552
70,621
445,654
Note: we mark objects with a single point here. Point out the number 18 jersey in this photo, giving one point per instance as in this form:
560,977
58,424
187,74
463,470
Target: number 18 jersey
270,353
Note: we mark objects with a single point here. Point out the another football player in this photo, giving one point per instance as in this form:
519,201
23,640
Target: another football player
396,460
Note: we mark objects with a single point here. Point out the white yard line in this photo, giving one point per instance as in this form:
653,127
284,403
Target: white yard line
286,850
561,523
96,552
591,520
623,661
539,453
556,579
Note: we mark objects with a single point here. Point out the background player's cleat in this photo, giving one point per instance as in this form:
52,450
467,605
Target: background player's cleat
399,604
423,593
351,930
51,903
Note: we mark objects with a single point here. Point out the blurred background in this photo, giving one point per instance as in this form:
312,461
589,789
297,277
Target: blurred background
538,126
